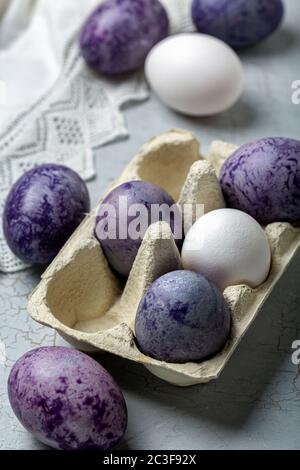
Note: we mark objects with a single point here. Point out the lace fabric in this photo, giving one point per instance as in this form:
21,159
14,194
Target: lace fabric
79,112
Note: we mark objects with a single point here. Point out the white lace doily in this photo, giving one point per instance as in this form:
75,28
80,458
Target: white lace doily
78,112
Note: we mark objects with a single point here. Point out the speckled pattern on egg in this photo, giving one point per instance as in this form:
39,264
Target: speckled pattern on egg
42,210
67,400
240,23
120,252
262,178
119,34
182,317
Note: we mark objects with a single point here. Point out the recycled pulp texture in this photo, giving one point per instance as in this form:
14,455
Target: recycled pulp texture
81,298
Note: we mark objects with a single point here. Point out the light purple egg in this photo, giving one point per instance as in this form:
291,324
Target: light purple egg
121,246
118,35
182,317
239,23
262,178
67,400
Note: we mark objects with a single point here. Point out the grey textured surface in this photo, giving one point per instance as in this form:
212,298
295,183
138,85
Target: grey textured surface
256,401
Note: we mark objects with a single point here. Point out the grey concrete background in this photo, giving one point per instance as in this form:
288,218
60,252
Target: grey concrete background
256,401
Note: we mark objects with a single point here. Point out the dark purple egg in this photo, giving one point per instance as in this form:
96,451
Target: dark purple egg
118,35
181,318
117,227
239,23
263,179
42,210
67,400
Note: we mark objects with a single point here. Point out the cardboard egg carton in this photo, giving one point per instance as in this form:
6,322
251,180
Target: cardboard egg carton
89,305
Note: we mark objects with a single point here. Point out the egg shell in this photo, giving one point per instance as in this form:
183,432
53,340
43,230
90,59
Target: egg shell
228,247
121,252
42,210
181,318
67,400
118,35
195,74
262,178
240,23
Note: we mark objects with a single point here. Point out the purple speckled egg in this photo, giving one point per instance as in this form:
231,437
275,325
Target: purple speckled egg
262,178
181,318
239,23
118,35
42,210
117,227
67,400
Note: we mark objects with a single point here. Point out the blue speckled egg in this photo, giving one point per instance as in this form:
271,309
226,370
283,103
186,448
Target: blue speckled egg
181,318
42,210
118,35
67,400
239,23
262,178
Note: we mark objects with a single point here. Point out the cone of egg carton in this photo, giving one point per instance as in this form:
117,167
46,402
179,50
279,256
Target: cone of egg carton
87,303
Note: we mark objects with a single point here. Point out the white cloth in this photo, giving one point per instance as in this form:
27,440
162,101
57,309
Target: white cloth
52,108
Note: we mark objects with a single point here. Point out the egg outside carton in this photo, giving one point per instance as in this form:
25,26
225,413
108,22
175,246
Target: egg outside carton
81,298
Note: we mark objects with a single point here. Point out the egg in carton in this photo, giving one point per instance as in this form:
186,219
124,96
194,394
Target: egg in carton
81,298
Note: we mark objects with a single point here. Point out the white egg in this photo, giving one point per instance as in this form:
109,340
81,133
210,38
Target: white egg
195,74
228,247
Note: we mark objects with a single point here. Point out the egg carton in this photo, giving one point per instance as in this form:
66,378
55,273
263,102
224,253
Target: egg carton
81,298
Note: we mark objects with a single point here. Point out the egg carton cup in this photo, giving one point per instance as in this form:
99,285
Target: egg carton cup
81,298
